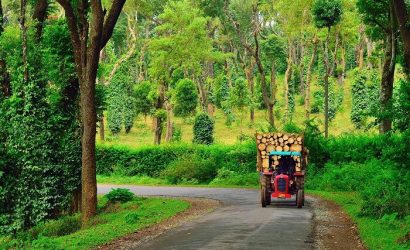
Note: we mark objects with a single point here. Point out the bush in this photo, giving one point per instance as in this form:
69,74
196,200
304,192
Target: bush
53,228
152,160
203,129
191,169
185,98
121,195
231,178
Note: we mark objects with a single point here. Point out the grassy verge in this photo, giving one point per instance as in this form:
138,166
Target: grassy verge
382,233
113,221
234,181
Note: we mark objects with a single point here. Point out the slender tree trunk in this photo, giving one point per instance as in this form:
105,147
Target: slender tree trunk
273,89
334,61
361,47
308,79
401,14
169,132
326,83
158,120
23,27
102,128
288,73
251,86
386,92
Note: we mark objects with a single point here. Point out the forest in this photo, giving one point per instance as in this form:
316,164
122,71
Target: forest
172,92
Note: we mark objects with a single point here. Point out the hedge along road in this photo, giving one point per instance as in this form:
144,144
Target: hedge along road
240,223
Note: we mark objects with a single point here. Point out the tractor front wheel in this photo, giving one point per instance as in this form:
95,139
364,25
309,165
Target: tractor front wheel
299,198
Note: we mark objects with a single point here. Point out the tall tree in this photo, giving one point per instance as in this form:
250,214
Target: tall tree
402,15
326,14
382,24
90,30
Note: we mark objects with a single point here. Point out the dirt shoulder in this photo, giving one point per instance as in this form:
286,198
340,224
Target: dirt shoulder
333,228
198,208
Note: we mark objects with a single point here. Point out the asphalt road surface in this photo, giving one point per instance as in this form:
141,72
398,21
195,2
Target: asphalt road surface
240,223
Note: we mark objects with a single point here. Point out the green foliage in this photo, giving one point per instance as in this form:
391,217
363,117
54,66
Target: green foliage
226,177
239,95
144,97
326,13
401,114
364,97
203,129
185,98
190,170
63,226
121,195
152,160
176,133
121,109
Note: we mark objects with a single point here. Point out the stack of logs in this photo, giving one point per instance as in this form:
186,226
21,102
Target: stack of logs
267,142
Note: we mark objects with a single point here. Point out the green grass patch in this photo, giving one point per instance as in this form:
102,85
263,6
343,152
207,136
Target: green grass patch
132,180
113,221
384,233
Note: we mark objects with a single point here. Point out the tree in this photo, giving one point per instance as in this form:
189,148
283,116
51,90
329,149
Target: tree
239,97
185,98
402,16
144,101
380,16
182,43
90,31
326,13
203,129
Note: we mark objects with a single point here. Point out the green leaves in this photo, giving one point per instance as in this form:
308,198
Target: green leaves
326,13
185,98
203,129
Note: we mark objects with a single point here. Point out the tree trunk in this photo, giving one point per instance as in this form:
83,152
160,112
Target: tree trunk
288,73
23,27
169,132
386,91
401,14
251,86
90,32
102,128
308,79
40,15
326,83
334,56
361,47
273,89
203,95
158,120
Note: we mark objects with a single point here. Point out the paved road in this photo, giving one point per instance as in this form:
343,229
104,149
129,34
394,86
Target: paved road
240,223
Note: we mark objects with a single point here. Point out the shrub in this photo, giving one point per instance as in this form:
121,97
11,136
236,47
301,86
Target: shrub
121,195
132,218
64,226
190,169
203,129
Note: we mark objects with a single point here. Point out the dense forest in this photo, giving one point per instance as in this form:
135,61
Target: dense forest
78,78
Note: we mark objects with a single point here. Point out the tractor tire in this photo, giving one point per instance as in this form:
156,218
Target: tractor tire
268,196
299,198
263,195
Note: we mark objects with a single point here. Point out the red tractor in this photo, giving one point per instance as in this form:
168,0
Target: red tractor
282,181
281,162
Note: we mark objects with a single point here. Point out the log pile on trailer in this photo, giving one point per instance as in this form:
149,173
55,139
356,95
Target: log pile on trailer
267,142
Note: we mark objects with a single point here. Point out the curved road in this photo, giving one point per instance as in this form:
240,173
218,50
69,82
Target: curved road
240,223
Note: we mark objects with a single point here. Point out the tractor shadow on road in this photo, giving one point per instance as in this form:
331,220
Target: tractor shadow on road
282,203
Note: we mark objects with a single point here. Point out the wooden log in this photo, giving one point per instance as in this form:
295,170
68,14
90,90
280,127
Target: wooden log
275,136
258,136
265,163
286,148
280,140
279,148
263,152
281,144
285,137
291,140
279,135
299,138
262,146
270,148
263,140
258,141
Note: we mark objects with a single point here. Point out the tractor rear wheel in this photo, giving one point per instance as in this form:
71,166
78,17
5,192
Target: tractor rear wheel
265,195
299,198
268,196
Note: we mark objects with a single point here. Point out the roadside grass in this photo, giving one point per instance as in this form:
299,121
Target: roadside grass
384,233
113,221
234,181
